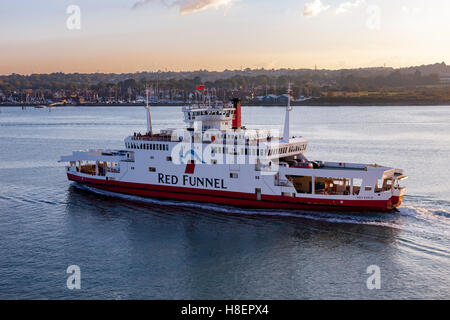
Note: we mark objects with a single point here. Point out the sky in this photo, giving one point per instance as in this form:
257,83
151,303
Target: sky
44,36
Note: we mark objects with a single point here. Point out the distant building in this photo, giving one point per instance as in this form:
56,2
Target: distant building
445,78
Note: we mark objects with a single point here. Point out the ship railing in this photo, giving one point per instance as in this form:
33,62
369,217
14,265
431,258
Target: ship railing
151,138
195,106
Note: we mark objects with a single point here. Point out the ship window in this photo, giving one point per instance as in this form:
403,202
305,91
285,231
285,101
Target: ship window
332,186
233,175
357,182
368,188
379,186
169,158
151,169
302,184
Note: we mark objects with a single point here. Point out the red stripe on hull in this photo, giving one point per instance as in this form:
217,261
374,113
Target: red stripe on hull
234,198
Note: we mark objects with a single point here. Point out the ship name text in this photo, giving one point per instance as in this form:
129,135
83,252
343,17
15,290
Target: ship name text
192,181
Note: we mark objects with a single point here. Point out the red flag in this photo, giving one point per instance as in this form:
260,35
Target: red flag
200,87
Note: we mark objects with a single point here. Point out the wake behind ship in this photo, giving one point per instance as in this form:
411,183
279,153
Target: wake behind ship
217,160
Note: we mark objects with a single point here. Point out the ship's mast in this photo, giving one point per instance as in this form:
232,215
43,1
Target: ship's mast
286,118
149,117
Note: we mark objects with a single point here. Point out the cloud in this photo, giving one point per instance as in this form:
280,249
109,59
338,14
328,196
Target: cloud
349,6
314,8
140,3
188,6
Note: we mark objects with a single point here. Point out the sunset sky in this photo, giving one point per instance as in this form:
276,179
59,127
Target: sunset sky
132,35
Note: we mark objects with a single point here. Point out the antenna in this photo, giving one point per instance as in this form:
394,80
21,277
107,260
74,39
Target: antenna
286,118
149,117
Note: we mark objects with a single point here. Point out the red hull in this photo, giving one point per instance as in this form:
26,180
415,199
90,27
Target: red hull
235,198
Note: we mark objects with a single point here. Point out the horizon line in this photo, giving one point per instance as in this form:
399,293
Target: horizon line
242,69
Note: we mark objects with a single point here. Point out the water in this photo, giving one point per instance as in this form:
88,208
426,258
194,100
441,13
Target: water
129,247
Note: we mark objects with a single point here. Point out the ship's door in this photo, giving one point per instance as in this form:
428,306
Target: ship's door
258,193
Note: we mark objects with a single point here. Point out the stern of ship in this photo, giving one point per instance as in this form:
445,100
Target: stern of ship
397,197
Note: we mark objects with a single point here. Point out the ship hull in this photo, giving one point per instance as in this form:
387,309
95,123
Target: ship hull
238,199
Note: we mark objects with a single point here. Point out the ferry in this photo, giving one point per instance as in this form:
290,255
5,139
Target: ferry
215,159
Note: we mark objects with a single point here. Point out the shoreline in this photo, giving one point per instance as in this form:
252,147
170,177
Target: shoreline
294,104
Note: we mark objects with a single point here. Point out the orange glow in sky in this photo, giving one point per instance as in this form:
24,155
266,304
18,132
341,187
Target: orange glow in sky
132,35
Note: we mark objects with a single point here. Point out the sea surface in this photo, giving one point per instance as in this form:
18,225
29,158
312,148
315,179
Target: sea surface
135,248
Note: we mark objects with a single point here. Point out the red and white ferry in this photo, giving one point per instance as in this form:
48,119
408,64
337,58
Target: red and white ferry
217,160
